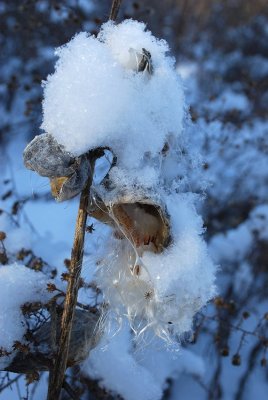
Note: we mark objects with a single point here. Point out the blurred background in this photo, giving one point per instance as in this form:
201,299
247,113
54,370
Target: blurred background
221,51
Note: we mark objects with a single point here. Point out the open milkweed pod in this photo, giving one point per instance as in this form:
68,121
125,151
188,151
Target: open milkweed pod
142,219
67,174
85,335
45,156
65,188
122,89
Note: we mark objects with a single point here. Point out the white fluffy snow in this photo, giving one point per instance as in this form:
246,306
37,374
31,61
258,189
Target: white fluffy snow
141,373
19,285
183,275
96,98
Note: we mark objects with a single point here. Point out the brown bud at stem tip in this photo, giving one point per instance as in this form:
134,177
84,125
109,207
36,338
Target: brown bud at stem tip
219,302
236,360
2,235
225,352
51,287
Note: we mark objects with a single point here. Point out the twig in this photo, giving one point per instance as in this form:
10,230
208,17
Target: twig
57,374
114,10
234,327
10,382
69,390
252,359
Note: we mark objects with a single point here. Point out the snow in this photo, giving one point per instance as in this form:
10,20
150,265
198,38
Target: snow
19,285
95,98
172,286
141,373
183,276
16,238
125,376
80,111
236,244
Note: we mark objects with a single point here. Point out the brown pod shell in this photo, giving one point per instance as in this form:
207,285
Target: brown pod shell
141,219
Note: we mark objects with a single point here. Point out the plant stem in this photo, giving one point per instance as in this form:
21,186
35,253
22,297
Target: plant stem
57,374
114,10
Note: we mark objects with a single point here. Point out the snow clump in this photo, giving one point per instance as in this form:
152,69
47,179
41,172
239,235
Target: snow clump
121,91
96,98
19,285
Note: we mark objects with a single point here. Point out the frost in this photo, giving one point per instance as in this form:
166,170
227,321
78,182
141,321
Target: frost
19,285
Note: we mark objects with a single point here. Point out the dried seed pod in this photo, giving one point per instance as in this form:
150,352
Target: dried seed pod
56,185
67,174
141,219
65,188
45,156
85,335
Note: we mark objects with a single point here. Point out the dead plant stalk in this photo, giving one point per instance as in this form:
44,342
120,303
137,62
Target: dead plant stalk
57,374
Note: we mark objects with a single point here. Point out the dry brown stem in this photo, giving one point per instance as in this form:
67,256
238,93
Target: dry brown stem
114,10
57,373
